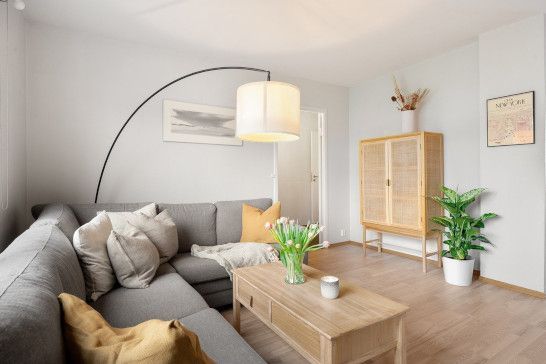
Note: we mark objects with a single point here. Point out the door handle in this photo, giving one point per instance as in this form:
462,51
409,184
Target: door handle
314,177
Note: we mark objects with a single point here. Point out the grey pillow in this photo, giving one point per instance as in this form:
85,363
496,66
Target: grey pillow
134,257
160,229
90,245
162,232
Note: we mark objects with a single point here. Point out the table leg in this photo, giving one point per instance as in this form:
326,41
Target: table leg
400,351
236,308
380,242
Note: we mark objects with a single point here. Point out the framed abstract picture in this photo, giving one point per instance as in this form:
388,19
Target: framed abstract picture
195,123
511,120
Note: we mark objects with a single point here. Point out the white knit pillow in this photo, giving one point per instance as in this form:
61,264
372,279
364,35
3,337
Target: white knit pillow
90,246
120,219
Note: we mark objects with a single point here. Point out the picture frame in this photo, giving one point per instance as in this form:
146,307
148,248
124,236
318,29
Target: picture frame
195,123
511,120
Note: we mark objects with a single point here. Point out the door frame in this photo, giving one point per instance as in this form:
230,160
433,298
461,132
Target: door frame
323,180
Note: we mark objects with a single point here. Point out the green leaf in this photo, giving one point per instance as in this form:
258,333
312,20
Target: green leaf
471,195
450,194
482,239
487,216
441,220
476,247
444,253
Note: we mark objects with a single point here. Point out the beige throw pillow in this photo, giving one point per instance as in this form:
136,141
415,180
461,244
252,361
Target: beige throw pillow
162,232
120,219
134,257
90,246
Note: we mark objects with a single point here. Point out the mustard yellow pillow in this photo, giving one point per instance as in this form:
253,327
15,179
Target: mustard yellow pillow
254,221
89,339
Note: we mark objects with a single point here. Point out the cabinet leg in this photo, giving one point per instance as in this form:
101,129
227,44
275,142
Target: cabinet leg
380,242
424,252
364,239
440,248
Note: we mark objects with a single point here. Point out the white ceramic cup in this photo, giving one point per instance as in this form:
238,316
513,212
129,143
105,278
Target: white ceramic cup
329,287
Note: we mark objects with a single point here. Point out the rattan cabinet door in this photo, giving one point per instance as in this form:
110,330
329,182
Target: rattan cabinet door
373,182
404,175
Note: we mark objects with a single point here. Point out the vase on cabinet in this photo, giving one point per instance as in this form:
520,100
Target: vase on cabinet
409,121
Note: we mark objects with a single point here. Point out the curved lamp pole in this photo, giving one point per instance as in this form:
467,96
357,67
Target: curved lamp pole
155,93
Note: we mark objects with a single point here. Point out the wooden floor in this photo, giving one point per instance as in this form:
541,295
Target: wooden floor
445,324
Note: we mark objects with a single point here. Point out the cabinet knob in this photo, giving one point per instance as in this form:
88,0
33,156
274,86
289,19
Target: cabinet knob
388,182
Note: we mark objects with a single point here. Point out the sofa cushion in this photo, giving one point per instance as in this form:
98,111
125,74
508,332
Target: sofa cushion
86,211
34,269
229,218
90,339
195,223
210,287
197,270
219,339
59,215
167,297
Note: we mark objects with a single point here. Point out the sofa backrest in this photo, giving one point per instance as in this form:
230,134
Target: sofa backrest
34,269
229,218
196,223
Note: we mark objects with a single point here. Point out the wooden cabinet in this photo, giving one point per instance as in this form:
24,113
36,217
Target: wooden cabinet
397,174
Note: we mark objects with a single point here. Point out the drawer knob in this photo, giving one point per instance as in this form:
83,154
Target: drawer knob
251,301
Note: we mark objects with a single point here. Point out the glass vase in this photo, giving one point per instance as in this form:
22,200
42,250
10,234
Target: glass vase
294,268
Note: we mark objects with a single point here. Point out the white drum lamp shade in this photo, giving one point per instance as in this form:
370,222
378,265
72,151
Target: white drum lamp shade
268,111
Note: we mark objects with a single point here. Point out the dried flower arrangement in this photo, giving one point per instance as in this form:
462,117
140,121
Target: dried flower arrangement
407,101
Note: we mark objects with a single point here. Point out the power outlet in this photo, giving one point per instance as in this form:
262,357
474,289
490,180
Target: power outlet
342,232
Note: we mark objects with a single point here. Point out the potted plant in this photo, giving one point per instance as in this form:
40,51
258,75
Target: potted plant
294,241
407,103
462,233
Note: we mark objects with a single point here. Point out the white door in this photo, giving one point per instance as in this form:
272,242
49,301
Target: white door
298,171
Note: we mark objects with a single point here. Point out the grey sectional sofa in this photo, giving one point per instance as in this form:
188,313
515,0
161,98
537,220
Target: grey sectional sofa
41,263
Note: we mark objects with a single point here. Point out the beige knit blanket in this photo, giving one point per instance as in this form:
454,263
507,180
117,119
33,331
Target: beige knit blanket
236,255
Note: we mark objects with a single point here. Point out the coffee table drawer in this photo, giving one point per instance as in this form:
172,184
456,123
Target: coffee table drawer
253,299
296,330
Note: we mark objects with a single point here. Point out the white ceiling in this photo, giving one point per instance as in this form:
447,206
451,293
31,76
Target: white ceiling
336,41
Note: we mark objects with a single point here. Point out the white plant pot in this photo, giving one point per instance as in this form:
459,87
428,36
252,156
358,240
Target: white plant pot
409,121
458,272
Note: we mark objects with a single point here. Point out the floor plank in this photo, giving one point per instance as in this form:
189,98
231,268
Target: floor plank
445,324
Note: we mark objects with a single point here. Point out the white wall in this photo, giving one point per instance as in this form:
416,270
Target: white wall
512,60
12,220
82,87
451,108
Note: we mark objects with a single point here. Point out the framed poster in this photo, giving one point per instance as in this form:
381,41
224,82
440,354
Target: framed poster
194,123
511,120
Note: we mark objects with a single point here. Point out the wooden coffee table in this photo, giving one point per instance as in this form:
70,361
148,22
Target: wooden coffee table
355,327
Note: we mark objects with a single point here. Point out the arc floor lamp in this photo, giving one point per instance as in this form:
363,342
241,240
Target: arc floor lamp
267,111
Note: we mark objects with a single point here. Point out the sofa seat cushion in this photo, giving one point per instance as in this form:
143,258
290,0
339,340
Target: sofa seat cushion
218,285
168,297
219,339
90,339
197,270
